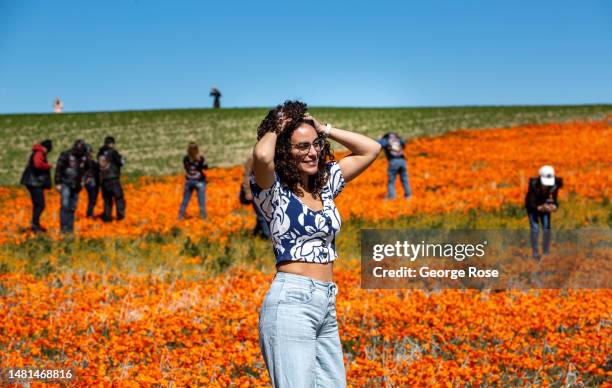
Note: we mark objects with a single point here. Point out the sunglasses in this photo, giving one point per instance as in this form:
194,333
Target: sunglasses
304,147
548,176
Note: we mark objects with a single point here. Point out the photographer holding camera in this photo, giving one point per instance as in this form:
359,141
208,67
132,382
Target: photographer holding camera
540,202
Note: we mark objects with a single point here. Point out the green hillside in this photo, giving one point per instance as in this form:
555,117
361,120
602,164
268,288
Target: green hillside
153,142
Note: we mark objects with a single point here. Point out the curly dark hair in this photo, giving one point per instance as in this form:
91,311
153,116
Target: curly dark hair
285,164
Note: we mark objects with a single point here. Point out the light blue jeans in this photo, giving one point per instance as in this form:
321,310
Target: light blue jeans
298,333
397,166
200,188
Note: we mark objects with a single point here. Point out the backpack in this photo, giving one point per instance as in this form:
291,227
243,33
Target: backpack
29,178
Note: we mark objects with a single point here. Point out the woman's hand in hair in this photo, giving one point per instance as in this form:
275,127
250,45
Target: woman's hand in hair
282,124
320,128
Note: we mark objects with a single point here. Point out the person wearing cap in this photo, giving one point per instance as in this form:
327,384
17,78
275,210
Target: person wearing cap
393,145
540,202
36,177
71,167
91,180
110,162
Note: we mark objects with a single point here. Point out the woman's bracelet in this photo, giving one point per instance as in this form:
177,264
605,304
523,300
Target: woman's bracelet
328,128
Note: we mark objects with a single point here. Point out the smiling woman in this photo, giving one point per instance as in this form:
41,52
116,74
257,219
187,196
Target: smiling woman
295,180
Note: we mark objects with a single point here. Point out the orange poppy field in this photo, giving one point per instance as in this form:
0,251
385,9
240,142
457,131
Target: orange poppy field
462,170
153,326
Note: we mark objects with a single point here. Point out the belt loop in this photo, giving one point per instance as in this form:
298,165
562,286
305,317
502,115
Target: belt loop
335,288
313,285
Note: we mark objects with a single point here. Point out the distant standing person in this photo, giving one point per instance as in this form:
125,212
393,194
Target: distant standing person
110,162
71,167
195,179
540,202
214,92
393,145
91,181
246,198
37,178
58,105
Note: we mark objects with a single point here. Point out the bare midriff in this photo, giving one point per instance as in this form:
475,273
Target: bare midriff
318,271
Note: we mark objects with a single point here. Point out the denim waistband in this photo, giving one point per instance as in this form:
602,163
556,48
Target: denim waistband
294,278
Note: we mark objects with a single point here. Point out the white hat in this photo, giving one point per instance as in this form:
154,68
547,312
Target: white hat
547,175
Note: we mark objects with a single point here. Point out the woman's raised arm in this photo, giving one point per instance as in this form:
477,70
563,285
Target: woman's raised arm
364,150
263,160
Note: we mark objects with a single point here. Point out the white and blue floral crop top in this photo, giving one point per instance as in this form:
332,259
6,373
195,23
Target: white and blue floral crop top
299,233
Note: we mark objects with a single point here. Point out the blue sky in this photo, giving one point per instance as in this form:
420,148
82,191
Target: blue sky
126,54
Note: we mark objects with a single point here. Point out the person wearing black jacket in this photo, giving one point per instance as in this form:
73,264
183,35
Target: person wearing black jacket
110,162
540,202
36,177
91,181
194,164
71,167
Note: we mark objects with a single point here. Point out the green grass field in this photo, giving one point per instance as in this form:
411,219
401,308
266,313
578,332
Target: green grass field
150,253
153,142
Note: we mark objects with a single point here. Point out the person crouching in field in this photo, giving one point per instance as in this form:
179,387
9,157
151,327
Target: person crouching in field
194,164
294,182
36,177
540,202
110,162
71,167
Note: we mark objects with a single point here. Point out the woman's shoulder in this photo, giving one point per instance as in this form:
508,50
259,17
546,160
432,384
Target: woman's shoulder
335,180
332,165
276,186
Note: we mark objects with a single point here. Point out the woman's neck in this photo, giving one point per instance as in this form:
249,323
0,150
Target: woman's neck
303,185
